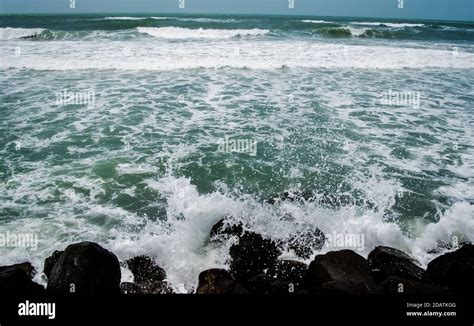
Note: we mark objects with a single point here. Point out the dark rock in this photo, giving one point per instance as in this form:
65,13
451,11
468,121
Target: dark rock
152,287
340,271
261,284
35,35
218,281
394,284
289,271
305,243
223,229
50,262
130,288
344,287
252,255
264,284
145,270
386,261
239,289
156,287
27,268
454,270
149,278
443,246
17,280
87,269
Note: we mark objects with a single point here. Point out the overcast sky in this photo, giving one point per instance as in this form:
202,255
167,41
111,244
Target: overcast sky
422,9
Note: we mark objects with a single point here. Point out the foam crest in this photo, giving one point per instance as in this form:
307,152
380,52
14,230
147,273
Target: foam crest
317,21
181,244
124,18
200,33
8,33
231,53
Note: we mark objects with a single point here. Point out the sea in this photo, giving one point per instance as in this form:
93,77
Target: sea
140,132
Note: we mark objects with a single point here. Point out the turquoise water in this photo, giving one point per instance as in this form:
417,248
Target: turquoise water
132,155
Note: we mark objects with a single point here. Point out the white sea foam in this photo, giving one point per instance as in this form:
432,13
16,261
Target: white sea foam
317,21
181,246
65,200
401,25
162,18
8,33
200,20
124,18
357,31
134,168
457,222
208,20
200,33
138,18
263,54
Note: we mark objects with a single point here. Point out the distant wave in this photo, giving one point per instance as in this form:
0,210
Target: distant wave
162,18
138,18
200,20
316,21
187,33
357,31
345,31
9,33
392,25
125,18
209,20
391,31
47,35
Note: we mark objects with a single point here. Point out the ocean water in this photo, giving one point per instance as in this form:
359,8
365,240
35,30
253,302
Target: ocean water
120,130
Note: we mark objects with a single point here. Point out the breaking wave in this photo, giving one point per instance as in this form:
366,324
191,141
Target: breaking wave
9,33
187,33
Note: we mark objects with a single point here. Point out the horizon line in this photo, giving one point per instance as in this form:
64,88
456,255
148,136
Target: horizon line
231,14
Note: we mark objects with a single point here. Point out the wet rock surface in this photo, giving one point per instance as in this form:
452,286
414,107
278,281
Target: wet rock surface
50,262
224,229
454,270
341,271
386,262
289,271
255,268
144,269
17,279
86,269
148,277
306,243
252,255
218,281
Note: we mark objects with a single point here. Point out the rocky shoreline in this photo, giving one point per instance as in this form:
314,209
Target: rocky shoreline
87,269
